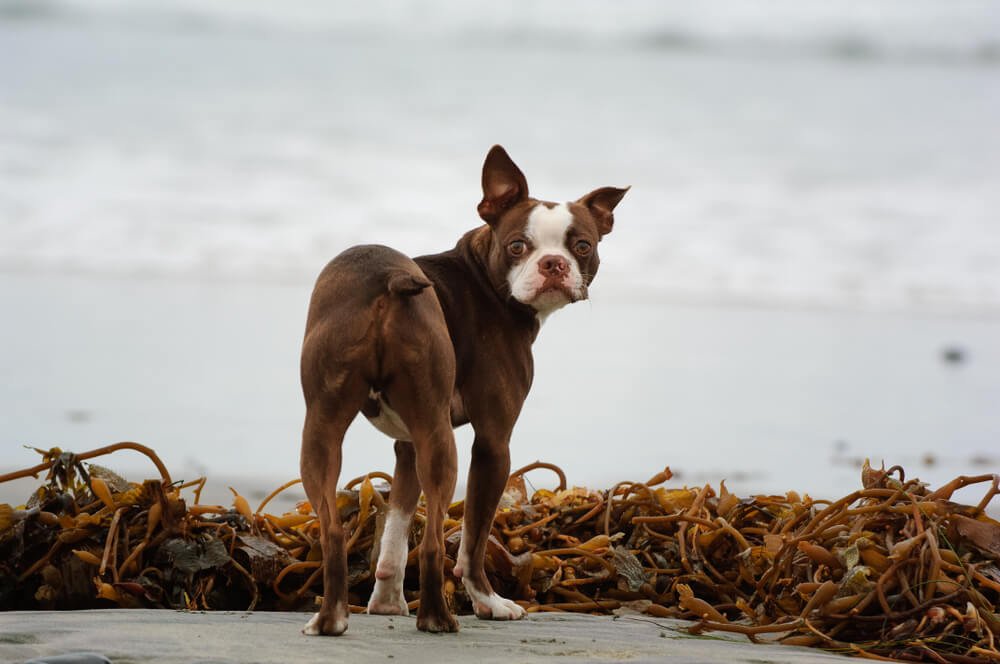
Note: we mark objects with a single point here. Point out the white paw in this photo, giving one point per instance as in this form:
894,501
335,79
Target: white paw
501,608
387,598
493,606
312,627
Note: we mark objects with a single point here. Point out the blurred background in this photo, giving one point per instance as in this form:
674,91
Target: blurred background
805,273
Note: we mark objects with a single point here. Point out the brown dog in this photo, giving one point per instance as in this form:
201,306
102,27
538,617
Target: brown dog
421,346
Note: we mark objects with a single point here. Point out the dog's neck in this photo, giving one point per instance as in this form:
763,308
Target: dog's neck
477,246
472,295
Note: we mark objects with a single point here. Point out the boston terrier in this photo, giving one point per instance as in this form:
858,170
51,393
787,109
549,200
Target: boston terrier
421,346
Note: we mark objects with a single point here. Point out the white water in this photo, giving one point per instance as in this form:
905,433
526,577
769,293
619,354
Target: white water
841,154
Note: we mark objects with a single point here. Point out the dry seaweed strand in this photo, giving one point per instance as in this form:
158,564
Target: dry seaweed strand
892,570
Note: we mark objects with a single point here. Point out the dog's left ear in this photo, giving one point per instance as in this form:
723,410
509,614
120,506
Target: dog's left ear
503,185
601,203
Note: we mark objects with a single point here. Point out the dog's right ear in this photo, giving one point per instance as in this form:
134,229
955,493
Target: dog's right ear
504,185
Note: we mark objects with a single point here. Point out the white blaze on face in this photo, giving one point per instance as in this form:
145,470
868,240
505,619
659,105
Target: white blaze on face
546,231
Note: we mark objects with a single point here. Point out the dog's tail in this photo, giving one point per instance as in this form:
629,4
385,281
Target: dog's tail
405,283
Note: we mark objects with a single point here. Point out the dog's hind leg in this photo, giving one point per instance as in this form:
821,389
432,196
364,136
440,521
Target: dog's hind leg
327,418
387,596
417,380
437,468
426,414
420,391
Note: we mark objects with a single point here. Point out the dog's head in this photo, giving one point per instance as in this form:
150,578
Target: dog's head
547,251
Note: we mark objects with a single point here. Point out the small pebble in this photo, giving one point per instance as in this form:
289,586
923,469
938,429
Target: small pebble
78,416
953,355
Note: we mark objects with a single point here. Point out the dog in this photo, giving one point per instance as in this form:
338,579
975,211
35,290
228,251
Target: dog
421,346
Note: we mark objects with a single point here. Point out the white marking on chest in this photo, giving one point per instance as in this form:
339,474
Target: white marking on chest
388,421
546,230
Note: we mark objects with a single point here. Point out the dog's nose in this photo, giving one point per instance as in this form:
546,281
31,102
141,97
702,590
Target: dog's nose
553,265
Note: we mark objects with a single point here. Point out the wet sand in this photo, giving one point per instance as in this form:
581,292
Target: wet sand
206,373
168,637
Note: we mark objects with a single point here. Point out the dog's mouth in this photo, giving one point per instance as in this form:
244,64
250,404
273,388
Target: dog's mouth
555,291
554,286
546,293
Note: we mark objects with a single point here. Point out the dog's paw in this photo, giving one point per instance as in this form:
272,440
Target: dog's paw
316,626
437,623
490,606
387,599
387,595
498,608
390,608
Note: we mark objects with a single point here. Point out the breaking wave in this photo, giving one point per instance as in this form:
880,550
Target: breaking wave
956,33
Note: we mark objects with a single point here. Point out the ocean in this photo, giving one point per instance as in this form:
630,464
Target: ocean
813,220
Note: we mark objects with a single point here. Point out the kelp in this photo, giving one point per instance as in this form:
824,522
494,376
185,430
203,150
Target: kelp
894,569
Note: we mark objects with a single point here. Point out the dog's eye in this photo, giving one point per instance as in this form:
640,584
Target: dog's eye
582,247
517,247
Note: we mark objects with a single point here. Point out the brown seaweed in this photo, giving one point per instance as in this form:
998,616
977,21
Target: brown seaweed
892,570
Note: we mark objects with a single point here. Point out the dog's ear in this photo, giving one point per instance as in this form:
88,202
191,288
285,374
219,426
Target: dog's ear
503,185
601,203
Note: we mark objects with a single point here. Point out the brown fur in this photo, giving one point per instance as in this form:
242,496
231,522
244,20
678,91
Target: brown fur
457,353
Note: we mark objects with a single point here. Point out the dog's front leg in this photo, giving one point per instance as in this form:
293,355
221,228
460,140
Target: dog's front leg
487,479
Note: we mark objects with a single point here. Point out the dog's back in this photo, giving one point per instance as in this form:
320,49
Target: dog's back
365,295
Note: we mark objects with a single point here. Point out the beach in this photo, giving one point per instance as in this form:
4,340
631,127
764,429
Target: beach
221,637
770,400
805,273
809,237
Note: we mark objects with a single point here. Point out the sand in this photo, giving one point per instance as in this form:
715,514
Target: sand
174,636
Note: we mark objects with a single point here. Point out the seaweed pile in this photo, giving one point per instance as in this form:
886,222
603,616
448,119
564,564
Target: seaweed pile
893,569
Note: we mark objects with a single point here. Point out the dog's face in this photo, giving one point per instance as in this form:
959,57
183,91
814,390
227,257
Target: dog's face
546,251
